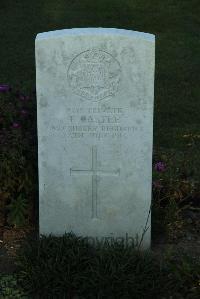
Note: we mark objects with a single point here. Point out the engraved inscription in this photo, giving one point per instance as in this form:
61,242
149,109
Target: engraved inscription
94,75
94,172
94,122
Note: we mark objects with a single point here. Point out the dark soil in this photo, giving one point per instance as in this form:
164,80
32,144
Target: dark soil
10,242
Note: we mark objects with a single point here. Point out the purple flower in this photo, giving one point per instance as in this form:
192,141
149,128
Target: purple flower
23,97
16,125
160,166
4,87
24,112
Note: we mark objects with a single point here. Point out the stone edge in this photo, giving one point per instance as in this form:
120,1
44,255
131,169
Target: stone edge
95,31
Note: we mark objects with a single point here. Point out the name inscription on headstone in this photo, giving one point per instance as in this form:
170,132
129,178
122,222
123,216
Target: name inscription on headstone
97,123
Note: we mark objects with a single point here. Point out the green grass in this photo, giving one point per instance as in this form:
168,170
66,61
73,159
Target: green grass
67,267
175,24
62,267
9,287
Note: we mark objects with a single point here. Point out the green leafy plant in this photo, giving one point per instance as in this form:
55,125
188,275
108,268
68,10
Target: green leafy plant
18,156
17,211
9,288
184,274
174,191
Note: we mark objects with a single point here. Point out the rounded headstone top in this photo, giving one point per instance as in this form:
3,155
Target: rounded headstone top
96,31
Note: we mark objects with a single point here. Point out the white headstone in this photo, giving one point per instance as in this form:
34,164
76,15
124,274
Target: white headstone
95,92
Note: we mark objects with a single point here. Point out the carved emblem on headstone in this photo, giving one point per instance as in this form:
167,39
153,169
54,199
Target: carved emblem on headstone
94,75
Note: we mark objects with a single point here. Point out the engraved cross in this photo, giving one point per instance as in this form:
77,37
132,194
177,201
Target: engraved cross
94,172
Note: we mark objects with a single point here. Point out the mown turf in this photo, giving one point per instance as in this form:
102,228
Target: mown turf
175,24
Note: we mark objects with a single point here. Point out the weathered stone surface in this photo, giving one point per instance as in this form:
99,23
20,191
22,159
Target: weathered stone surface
95,91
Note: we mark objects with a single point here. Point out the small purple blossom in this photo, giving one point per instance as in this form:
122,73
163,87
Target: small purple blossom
24,112
160,166
4,88
16,125
23,97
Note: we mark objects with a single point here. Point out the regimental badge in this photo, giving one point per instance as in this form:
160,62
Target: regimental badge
94,75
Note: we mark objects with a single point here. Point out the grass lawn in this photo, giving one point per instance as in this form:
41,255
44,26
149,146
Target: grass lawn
175,24
67,267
